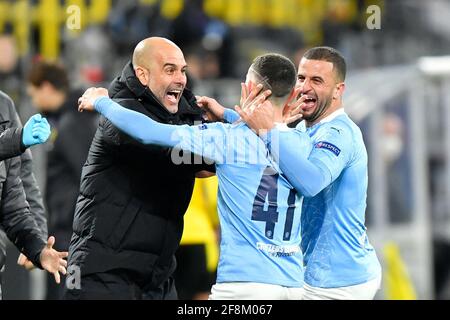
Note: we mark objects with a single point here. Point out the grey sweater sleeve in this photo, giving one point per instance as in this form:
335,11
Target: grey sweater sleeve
10,143
32,191
18,223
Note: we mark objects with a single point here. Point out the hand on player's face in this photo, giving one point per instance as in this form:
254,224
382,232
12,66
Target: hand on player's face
258,118
87,100
293,110
255,109
252,96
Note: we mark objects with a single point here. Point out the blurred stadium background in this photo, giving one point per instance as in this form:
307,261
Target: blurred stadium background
398,91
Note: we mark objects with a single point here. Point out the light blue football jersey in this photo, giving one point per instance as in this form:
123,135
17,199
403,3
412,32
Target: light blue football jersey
335,245
259,210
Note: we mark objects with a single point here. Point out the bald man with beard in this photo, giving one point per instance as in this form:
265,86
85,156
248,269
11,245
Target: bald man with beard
128,219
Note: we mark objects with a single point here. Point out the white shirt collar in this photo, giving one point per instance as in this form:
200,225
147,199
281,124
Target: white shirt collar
281,126
302,125
333,115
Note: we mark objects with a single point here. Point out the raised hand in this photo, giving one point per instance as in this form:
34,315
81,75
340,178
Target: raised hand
213,110
255,109
293,109
259,118
87,100
52,260
252,97
36,131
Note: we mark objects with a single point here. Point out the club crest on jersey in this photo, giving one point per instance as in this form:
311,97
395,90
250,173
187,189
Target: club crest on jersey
328,146
202,127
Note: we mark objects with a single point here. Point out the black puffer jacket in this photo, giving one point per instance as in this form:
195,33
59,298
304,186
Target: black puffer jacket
129,214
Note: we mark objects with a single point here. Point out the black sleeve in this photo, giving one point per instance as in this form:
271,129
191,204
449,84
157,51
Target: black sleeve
114,136
11,143
16,218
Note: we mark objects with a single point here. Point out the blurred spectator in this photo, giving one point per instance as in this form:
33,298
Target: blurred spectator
68,146
9,67
8,58
90,57
341,18
392,138
198,253
129,22
202,64
189,27
193,28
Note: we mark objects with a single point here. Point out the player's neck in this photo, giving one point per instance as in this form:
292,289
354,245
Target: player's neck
329,111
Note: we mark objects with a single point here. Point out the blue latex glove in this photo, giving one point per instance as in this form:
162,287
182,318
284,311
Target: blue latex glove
35,131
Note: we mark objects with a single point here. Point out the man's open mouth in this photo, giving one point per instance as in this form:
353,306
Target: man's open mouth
173,95
310,102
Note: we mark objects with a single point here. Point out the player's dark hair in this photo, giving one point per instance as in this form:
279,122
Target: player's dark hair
277,73
53,73
331,55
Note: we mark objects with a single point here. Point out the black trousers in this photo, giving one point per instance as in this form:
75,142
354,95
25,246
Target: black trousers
116,285
55,291
191,275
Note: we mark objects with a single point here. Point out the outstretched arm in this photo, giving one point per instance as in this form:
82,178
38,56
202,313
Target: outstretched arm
137,125
203,140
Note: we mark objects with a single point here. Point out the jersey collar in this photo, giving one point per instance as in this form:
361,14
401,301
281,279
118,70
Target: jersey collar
281,126
302,125
333,115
